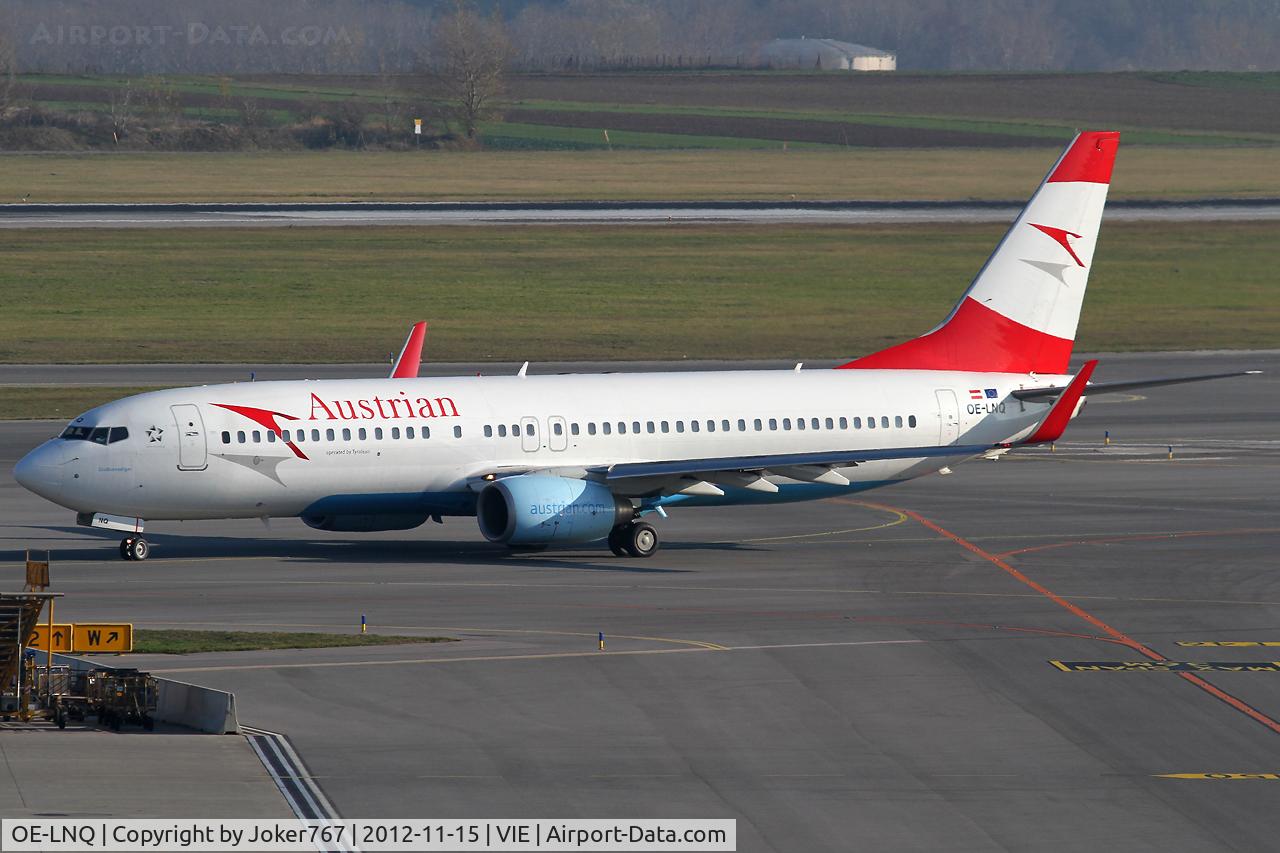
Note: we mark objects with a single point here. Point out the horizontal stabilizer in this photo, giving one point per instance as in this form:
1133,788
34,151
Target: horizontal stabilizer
1060,414
1117,387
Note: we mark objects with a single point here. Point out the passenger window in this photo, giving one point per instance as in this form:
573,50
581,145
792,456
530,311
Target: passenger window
786,423
257,437
488,430
679,426
871,423
226,437
271,438
711,426
606,428
557,428
315,435
457,432
758,425
799,423
724,426
426,432
408,432
364,435
573,429
328,434
118,434
773,423
897,420
591,428
240,437
649,427
742,425
695,426
911,421
622,427
884,421
346,434
666,426
502,430
635,427
857,423
395,432
515,429
377,433
844,423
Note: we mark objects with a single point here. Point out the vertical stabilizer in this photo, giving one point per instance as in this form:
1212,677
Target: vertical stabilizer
1020,313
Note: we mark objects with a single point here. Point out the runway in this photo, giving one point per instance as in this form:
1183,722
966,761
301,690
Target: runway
199,215
871,672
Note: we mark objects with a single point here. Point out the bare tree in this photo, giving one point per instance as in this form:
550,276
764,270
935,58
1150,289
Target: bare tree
120,109
468,62
8,71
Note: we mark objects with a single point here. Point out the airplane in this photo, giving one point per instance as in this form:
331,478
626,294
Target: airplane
579,458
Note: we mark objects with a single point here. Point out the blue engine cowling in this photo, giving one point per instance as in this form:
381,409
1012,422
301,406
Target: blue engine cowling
539,509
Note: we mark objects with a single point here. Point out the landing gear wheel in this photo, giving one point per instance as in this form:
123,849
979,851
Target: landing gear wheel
641,540
618,541
135,549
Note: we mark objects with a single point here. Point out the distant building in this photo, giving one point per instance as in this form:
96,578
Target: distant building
825,54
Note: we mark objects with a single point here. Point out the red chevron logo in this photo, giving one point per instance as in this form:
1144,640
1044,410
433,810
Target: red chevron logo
266,418
1060,236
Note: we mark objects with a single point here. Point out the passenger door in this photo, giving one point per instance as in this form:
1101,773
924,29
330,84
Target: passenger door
948,416
192,451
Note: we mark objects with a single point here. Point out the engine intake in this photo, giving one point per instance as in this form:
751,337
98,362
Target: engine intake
539,509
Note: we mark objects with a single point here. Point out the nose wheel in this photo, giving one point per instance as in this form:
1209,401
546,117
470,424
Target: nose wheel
134,548
636,539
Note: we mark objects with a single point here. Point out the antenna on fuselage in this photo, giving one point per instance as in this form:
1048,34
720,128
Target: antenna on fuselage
524,368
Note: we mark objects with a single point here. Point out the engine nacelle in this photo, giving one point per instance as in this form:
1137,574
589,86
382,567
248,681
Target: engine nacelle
364,523
539,509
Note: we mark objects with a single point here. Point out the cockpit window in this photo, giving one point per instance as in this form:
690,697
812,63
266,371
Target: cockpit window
98,435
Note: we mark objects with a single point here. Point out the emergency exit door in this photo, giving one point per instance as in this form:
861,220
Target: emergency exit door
948,416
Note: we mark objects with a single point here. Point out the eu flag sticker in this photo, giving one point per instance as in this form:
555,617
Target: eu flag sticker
991,393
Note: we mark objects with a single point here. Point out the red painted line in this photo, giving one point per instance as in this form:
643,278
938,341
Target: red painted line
1075,610
1139,537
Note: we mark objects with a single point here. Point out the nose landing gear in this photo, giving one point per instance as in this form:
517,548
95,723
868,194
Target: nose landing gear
134,548
635,539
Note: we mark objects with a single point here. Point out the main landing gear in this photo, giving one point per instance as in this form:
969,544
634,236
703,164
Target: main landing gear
134,548
635,539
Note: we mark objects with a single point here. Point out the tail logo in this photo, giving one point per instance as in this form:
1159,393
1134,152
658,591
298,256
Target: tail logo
1060,236
266,418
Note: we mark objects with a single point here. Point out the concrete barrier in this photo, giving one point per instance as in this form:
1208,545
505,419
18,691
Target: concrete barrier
200,708
178,703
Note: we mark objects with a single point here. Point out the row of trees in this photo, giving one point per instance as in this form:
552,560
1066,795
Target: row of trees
371,36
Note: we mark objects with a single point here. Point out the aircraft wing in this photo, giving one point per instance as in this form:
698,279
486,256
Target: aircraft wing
778,462
1116,387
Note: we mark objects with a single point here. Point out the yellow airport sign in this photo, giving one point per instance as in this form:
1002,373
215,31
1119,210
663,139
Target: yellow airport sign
102,637
61,637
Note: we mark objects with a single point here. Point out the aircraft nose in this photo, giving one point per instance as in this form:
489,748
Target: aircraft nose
41,471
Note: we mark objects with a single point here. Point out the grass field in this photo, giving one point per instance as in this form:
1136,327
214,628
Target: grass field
56,402
183,642
1141,172
541,293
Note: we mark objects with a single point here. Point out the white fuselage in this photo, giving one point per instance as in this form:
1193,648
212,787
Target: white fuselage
417,447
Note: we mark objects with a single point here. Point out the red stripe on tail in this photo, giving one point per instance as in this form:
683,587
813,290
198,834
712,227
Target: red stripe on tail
975,339
1090,159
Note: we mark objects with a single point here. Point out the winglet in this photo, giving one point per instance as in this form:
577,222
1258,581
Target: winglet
406,366
1055,423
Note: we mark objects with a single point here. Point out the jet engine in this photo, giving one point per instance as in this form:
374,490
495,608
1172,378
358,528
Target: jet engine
540,509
